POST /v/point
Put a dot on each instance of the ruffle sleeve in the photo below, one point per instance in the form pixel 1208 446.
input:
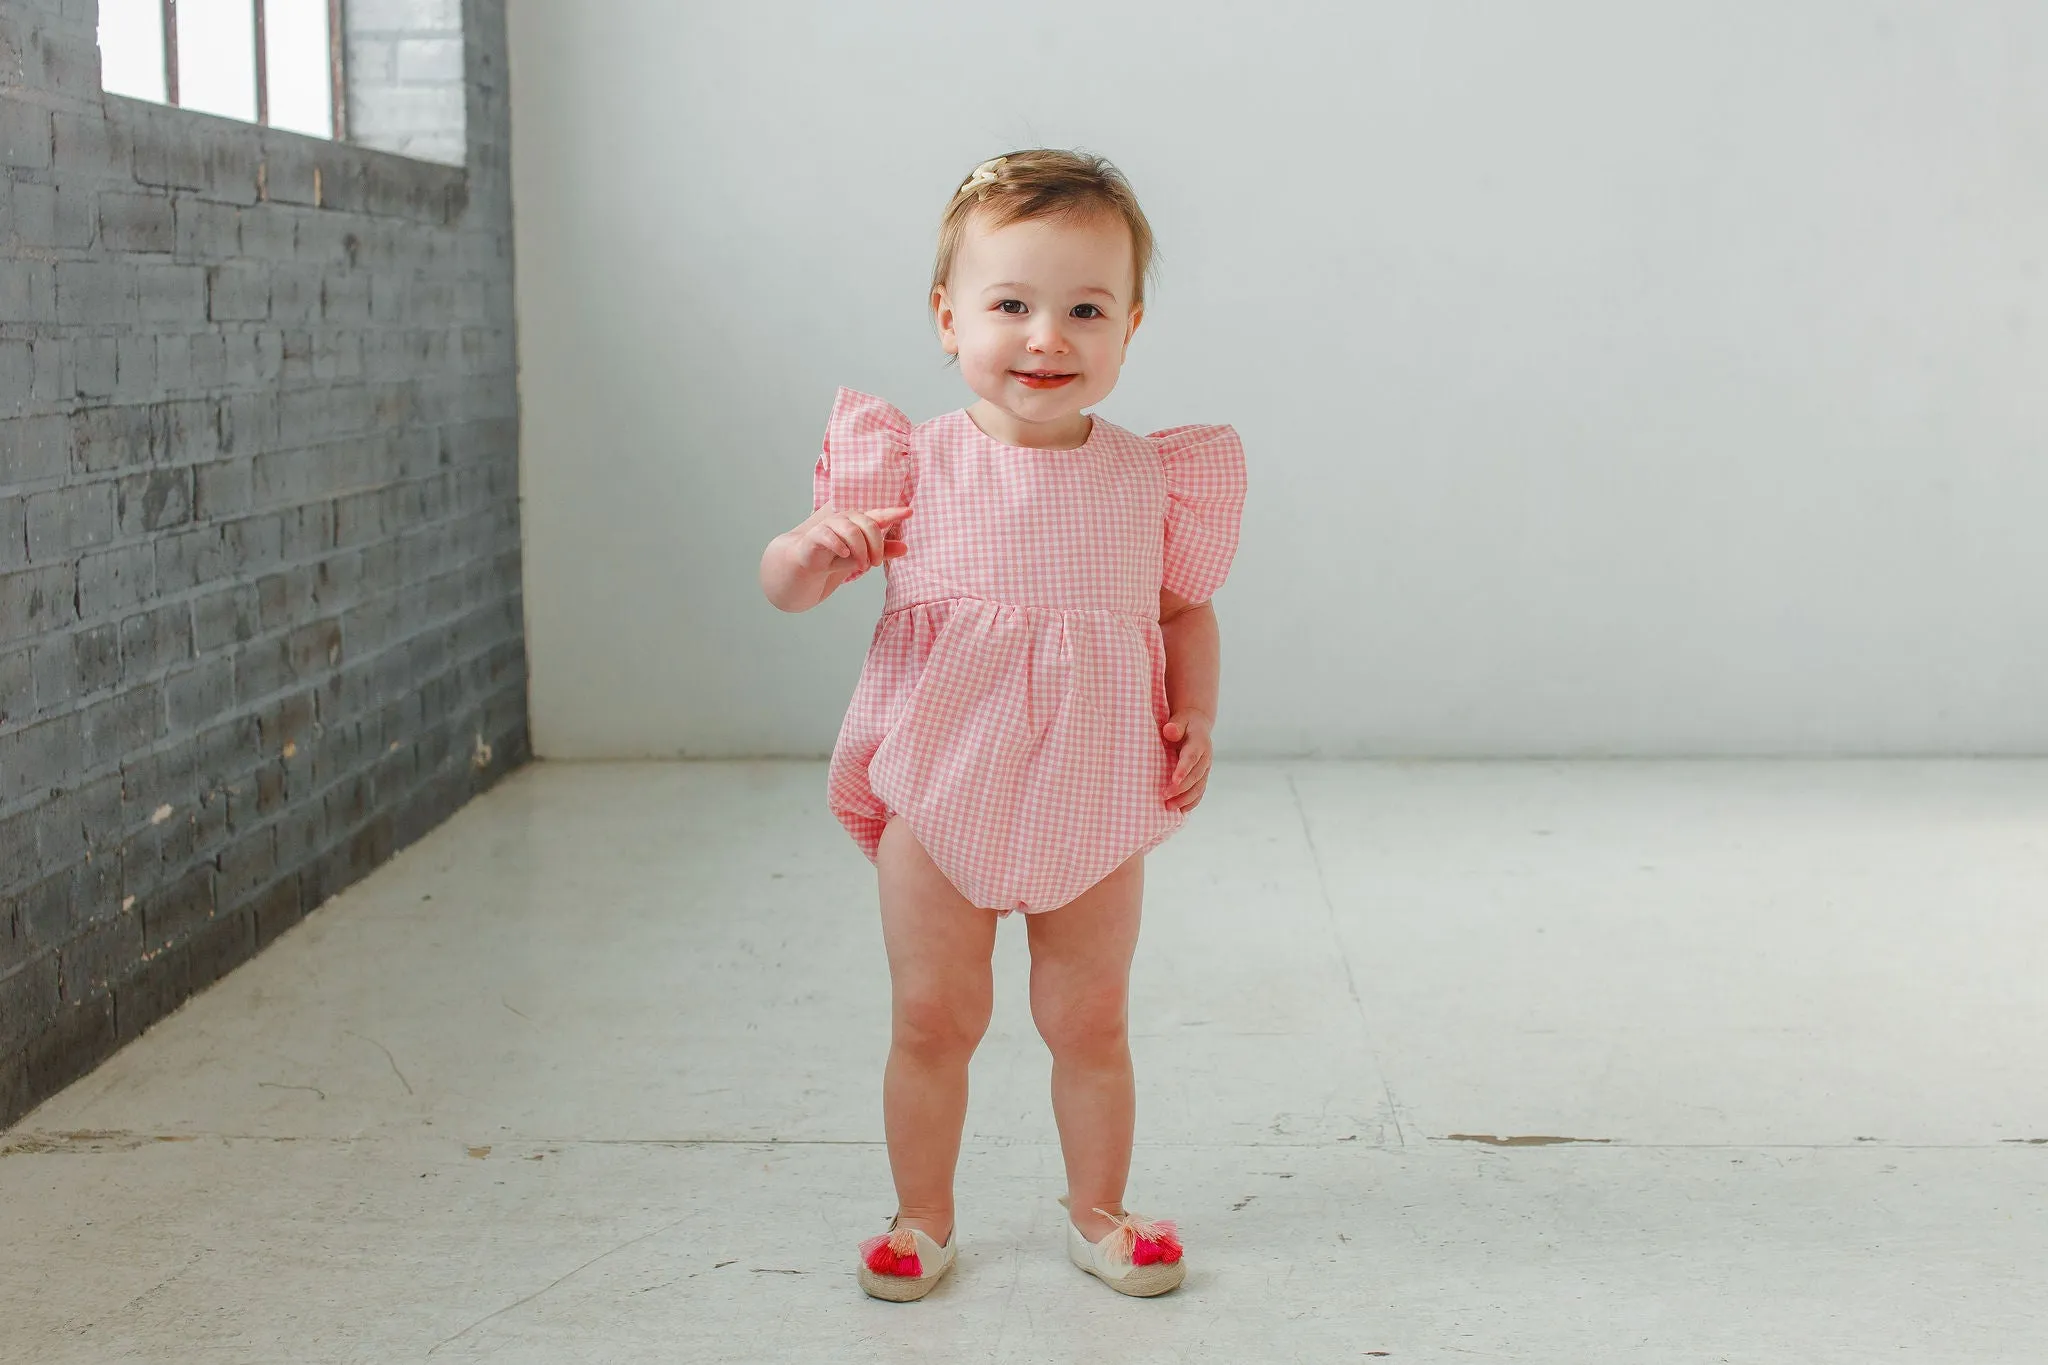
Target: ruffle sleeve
pixel 1205 489
pixel 865 463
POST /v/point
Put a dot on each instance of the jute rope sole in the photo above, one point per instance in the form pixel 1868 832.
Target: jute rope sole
pixel 898 1288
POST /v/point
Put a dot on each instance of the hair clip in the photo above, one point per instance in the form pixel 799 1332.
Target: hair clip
pixel 984 174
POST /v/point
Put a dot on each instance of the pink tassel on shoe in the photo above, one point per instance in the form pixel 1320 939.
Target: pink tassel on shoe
pixel 1140 1240
pixel 1160 1243
pixel 893 1253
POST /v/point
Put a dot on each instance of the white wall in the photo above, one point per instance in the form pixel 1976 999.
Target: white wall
pixel 1616 377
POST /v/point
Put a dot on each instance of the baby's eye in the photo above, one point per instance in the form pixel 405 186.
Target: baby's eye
pixel 1013 312
pixel 1093 312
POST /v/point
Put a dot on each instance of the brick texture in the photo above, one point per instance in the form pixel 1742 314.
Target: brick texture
pixel 260 618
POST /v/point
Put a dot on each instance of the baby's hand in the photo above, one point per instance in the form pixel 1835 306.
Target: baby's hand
pixel 852 540
pixel 1190 730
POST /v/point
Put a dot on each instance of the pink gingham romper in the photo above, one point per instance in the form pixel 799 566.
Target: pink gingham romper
pixel 1012 699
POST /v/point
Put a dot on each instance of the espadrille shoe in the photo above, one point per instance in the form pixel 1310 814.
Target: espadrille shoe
pixel 1139 1256
pixel 903 1263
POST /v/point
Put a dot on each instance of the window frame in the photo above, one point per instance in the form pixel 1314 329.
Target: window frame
pixel 337 64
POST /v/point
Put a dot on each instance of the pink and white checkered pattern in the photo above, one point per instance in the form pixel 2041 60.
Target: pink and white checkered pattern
pixel 1013 694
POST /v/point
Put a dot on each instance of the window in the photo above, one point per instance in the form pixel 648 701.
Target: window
pixel 275 62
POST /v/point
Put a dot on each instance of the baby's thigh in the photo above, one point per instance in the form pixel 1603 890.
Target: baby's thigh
pixel 939 943
pixel 1086 945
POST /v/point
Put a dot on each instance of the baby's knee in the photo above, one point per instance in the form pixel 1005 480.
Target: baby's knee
pixel 1089 1026
pixel 939 1025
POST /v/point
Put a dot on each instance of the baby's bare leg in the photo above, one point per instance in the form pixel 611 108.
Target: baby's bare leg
pixel 942 988
pixel 1080 991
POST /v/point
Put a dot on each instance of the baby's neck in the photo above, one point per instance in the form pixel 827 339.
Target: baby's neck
pixel 998 425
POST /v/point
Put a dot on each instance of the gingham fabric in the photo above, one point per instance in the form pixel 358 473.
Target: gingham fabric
pixel 1010 705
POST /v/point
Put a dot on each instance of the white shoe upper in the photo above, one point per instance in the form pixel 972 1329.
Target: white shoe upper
pixel 1088 1255
pixel 931 1257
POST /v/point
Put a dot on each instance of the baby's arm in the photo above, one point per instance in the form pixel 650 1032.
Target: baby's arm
pixel 1194 666
pixel 804 565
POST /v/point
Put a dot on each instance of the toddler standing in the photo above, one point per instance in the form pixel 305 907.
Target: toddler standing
pixel 1035 710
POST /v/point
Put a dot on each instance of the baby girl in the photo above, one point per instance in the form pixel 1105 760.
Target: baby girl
pixel 1035 710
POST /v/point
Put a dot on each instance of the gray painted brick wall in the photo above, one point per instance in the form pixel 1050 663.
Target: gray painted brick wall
pixel 260 617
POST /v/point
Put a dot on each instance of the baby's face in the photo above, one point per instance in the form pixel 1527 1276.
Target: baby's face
pixel 1040 314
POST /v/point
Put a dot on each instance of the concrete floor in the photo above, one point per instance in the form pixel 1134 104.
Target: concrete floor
pixel 593 1075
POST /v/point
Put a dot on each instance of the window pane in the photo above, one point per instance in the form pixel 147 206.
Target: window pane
pixel 217 57
pixel 301 83
pixel 132 48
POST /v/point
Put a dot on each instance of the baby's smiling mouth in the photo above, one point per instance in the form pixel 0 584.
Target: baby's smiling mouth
pixel 1042 378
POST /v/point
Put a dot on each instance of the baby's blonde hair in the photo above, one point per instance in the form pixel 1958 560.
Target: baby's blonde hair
pixel 1045 182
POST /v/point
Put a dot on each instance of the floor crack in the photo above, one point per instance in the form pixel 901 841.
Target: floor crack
pixel 552 1283
pixel 1344 958
pixel 387 1057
